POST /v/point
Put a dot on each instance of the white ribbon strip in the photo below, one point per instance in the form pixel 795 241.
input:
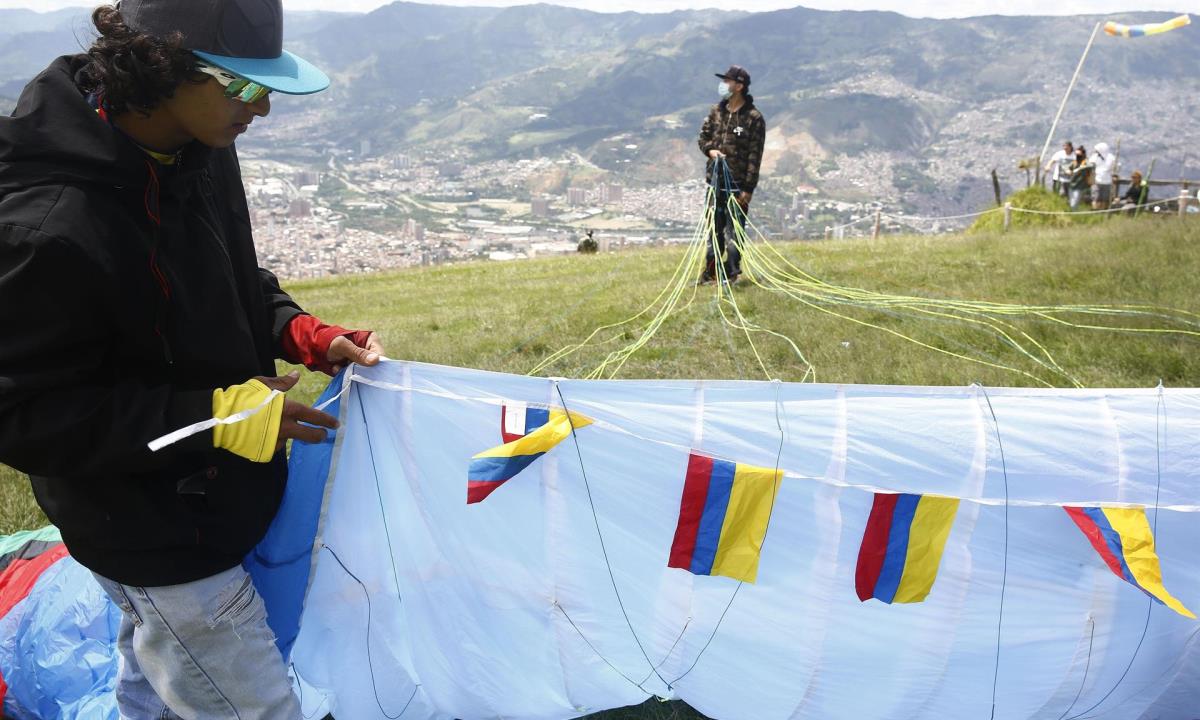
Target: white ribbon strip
pixel 186 432
pixel 831 481
pixel 190 430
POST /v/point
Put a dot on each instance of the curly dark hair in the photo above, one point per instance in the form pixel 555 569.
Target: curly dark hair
pixel 134 70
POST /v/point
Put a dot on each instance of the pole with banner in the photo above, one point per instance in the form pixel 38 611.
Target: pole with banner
pixel 1062 106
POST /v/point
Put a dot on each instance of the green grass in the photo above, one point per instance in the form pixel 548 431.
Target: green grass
pixel 508 316
pixel 1039 199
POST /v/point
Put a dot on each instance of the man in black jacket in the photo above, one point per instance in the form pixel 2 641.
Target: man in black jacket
pixel 131 305
pixel 732 138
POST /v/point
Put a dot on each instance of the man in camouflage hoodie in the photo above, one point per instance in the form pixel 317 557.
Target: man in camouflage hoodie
pixel 732 139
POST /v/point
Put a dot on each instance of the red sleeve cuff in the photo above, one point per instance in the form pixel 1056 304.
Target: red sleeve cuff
pixel 306 342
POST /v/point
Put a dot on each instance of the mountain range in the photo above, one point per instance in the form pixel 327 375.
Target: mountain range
pixel 859 105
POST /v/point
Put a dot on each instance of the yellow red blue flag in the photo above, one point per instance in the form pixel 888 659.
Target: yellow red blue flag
pixel 902 546
pixel 492 468
pixel 723 518
pixel 1125 541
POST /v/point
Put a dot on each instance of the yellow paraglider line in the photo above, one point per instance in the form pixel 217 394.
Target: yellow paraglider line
pixel 768 269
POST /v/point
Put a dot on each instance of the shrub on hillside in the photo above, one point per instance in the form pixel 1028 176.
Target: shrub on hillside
pixel 1039 199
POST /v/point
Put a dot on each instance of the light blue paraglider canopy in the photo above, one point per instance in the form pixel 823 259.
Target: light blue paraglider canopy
pixel 554 596
pixel 1067 527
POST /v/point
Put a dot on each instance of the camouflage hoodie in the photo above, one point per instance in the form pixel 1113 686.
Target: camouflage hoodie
pixel 740 135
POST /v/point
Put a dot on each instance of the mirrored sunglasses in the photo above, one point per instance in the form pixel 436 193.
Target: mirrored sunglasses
pixel 236 87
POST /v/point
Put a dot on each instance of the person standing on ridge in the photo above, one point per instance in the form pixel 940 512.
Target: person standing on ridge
pixel 1060 164
pixel 1105 168
pixel 732 139
pixel 1080 179
pixel 132 305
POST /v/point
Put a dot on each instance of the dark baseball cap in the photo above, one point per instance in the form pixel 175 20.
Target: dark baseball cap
pixel 736 73
pixel 244 37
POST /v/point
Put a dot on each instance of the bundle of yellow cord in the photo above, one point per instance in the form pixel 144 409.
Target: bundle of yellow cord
pixel 769 270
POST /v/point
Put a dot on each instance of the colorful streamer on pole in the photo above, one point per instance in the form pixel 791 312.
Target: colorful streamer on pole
pixel 1132 31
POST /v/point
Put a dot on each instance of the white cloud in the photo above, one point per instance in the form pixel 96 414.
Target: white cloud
pixel 918 8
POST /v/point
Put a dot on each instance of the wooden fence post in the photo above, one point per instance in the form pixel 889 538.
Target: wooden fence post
pixel 996 187
pixel 1007 216
pixel 1183 202
pixel 878 217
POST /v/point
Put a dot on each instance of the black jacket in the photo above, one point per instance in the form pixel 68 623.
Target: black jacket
pixel 741 136
pixel 114 330
pixel 1134 193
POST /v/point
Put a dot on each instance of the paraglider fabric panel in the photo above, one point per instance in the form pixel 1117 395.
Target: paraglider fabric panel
pixel 565 591
pixel 961 548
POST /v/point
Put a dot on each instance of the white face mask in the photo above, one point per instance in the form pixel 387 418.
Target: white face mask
pixel 724 90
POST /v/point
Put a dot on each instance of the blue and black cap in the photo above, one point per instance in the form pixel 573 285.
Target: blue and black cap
pixel 244 37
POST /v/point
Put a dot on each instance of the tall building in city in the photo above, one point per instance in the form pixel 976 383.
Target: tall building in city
pixel 307 177
pixel 415 230
pixel 610 194
pixel 540 207
pixel 300 208
pixel 576 196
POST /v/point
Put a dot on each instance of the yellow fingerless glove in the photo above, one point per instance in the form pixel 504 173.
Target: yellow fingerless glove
pixel 253 438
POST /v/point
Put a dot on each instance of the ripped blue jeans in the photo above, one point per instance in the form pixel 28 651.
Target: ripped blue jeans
pixel 199 650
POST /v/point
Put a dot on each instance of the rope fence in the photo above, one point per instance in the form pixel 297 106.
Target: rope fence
pixel 837 231
pixel 919 218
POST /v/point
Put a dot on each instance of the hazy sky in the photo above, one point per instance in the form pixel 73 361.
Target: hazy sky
pixel 921 8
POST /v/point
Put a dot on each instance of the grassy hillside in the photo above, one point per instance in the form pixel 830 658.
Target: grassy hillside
pixel 1040 200
pixel 507 317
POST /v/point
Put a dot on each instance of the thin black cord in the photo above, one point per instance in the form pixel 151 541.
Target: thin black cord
pixel 1160 420
pixel 1004 571
pixel 378 492
pixel 1175 663
pixel 596 518
pixel 711 635
pixel 300 689
pixel 672 650
pixel 766 530
pixel 370 662
pixel 1124 674
pixel 1086 667
pixel 598 653
pixel 635 683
